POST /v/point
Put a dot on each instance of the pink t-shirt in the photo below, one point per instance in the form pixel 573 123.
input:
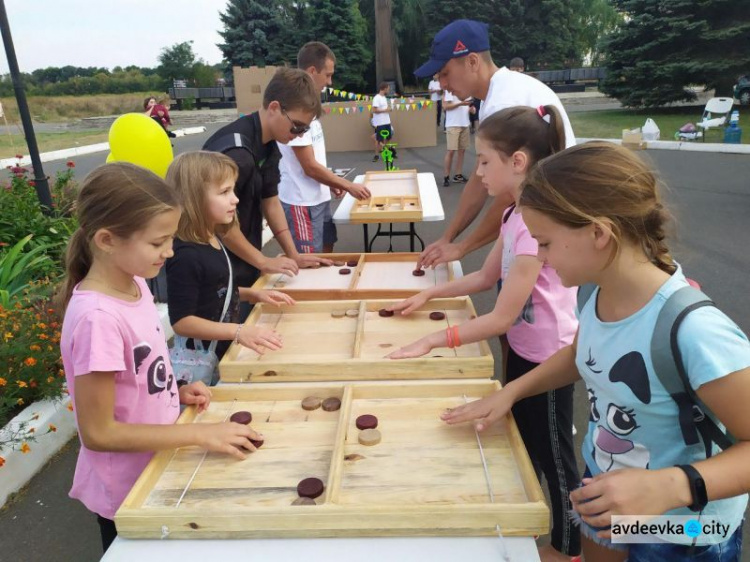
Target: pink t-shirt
pixel 547 322
pixel 103 333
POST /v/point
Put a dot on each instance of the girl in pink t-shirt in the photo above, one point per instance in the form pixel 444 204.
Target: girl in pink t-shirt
pixel 114 352
pixel 533 308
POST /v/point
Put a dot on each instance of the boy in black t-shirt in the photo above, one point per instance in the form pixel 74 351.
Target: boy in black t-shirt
pixel 290 103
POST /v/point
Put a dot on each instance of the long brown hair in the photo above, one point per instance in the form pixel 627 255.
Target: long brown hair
pixel 599 180
pixel 527 129
pixel 191 174
pixel 121 197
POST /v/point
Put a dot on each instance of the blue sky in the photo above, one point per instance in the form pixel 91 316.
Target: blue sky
pixel 109 32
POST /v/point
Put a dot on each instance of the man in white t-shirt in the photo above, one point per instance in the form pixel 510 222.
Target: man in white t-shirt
pixel 306 183
pixel 461 56
pixel 456 135
pixel 436 95
pixel 381 118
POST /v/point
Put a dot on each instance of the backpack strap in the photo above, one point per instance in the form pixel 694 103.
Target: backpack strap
pixel 584 294
pixel 229 142
pixel 668 365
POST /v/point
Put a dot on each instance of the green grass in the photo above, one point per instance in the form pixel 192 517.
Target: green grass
pixel 609 124
pixel 10 145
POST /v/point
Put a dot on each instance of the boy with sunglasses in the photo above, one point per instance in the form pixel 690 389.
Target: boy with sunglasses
pixel 290 103
pixel 306 182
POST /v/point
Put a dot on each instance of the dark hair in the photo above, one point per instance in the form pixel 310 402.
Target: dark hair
pixel 294 90
pixel 516 62
pixel 383 86
pixel 314 54
pixel 148 99
pixel 525 128
pixel 597 181
pixel 121 197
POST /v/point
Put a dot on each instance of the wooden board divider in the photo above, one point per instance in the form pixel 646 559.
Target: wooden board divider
pixel 337 459
pixel 360 330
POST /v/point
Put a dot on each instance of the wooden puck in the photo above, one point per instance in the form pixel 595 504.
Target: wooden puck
pixel 344 271
pixel 367 421
pixel 369 437
pixel 352 263
pixel 352 313
pixel 437 315
pixel 331 404
pixel 311 403
pixel 418 273
pixel 385 313
pixel 257 443
pixel 243 418
pixel 304 501
pixel 310 488
pixel 322 264
pixel 338 313
pixel 339 263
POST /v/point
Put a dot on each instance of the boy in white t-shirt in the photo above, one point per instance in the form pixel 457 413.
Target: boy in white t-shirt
pixel 381 118
pixel 436 95
pixel 457 135
pixel 306 183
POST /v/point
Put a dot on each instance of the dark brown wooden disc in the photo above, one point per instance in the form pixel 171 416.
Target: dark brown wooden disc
pixel 352 263
pixel 385 313
pixel 310 488
pixel 241 417
pixel 367 421
pixel 331 404
pixel 437 315
pixel 344 271
pixel 418 273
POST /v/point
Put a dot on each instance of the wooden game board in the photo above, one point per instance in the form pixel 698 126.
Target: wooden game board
pixel 319 347
pixel 376 276
pixel 395 198
pixel 424 478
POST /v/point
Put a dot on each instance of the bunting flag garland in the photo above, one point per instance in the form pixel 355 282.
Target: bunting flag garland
pixel 396 104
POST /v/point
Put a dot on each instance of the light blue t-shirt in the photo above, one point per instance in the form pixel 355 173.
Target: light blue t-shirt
pixel 633 421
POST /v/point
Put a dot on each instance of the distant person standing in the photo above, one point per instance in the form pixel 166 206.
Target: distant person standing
pixel 436 95
pixel 517 64
pixel 457 135
pixel 474 114
pixel 381 118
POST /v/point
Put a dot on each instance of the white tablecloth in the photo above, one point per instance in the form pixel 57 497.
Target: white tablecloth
pixel 432 206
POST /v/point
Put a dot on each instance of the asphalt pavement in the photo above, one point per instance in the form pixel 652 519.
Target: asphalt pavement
pixel 710 198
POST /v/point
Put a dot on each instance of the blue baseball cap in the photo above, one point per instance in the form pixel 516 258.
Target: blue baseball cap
pixel 457 39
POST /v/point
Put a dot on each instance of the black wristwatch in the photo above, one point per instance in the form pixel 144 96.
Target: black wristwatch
pixel 697 487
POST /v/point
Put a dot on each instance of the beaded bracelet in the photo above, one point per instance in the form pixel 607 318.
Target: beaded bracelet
pixel 237 334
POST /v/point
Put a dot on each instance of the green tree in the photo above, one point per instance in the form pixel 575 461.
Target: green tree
pixel 340 25
pixel 253 33
pixel 176 62
pixel 663 46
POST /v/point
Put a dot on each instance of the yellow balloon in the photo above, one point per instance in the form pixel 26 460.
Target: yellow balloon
pixel 140 140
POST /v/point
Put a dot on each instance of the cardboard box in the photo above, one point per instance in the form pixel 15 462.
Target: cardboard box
pixel 633 139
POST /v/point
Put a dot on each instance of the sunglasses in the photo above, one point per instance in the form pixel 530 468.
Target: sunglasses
pixel 297 128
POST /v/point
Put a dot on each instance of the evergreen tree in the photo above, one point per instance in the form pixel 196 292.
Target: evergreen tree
pixel 666 45
pixel 253 33
pixel 340 25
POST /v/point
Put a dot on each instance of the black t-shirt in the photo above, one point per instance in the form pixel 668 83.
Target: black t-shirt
pixel 258 179
pixel 197 280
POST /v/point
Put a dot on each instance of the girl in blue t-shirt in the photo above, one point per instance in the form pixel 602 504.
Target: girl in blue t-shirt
pixel 596 212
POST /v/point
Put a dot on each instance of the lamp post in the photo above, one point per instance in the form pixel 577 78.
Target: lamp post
pixel 42 186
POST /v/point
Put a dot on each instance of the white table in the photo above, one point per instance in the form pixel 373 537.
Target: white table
pixel 434 549
pixel 432 210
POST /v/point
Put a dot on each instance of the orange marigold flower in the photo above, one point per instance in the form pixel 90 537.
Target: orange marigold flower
pixel 3 382
pixel 43 337
pixel 19 402
pixel 25 448
pixel 35 347
pixel 8 336
pixel 29 361
pixel 42 325
pixel 2 461
pixel 70 406
pixel 33 384
pixel 50 379
pixel 21 384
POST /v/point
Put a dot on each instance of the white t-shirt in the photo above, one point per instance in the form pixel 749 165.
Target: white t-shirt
pixel 458 116
pixel 432 86
pixel 509 89
pixel 295 187
pixel 380 102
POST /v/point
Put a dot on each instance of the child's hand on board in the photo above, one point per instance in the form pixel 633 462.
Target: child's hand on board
pixel 281 264
pixel 482 412
pixel 407 306
pixel 227 437
pixel 417 349
pixel 274 297
pixel 259 339
pixel 195 394
pixel 629 491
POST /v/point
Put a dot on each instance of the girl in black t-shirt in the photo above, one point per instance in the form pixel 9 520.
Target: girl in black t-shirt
pixel 198 275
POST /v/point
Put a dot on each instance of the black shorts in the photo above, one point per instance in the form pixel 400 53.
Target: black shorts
pixel 382 137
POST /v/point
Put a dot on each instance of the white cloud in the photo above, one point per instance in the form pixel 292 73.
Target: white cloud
pixel 109 32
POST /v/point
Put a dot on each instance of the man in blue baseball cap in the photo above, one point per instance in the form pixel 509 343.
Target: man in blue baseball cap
pixel 461 57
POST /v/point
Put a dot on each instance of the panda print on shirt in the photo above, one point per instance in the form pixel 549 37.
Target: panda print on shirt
pixel 615 437
pixel 160 380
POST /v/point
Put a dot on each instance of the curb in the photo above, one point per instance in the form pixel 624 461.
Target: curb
pixel 715 147
pixel 82 150
pixel 21 467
